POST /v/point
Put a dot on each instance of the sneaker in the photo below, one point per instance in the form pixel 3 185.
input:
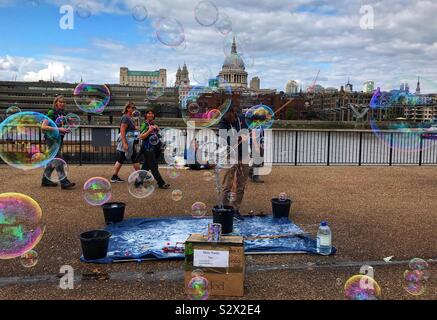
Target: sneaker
pixel 48 183
pixel 116 179
pixel 164 186
pixel 237 215
pixel 68 185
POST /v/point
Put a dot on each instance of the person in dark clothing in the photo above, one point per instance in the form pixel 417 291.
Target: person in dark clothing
pixel 239 171
pixel 126 142
pixel 54 113
pixel 150 148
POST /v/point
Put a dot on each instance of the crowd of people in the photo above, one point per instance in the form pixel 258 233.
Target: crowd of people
pixel 141 143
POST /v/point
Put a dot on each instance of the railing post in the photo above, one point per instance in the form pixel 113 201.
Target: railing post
pixel 360 148
pixel 329 148
pixel 420 151
pixel 391 149
pixel 295 148
pixel 80 145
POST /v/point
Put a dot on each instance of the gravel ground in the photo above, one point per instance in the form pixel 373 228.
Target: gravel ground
pixel 374 212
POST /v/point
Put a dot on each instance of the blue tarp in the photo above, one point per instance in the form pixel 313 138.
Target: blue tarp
pixel 163 238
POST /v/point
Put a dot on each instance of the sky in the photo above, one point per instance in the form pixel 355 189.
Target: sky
pixel 278 40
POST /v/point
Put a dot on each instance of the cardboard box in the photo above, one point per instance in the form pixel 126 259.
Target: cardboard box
pixel 223 264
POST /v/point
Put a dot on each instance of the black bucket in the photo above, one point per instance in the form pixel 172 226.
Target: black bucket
pixel 225 216
pixel 113 212
pixel 281 208
pixel 95 244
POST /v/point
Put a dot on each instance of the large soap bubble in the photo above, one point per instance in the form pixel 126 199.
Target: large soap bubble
pixel 212 101
pixel 91 98
pixel 21 226
pixel 23 142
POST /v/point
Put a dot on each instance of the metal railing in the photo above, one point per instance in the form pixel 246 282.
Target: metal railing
pixel 289 147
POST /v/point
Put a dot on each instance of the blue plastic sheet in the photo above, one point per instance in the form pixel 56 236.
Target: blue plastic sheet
pixel 163 238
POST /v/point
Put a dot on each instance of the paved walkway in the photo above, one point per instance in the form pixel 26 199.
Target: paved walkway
pixel 374 212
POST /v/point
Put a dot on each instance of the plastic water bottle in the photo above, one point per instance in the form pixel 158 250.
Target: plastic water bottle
pixel 324 239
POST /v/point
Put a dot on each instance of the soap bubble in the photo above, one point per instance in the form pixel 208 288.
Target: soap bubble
pixel 198 210
pixel 197 288
pixel 154 140
pixel 91 98
pixel 361 287
pixel 418 264
pixel 70 121
pixel 214 110
pixel 415 288
pixel 260 117
pixel 21 226
pixel 223 24
pixel 193 108
pixel 97 191
pixel 231 196
pixel 173 172
pixel 208 176
pixel 29 259
pixel 140 13
pixel 176 195
pixel 83 10
pixel 206 13
pixel 154 92
pixel 61 168
pixel 282 196
pixel 12 110
pixel 170 32
pixel 21 140
pixel 141 184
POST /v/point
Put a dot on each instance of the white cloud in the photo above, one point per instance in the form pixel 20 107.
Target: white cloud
pixel 53 70
pixel 287 40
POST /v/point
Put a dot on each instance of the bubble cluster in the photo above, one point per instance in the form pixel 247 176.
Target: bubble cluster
pixel 400 132
pixel 198 210
pixel 97 191
pixel 29 259
pixel 22 140
pixel 361 287
pixel 170 32
pixel 176 195
pixel 61 168
pixel 260 117
pixel 92 98
pixel 212 110
pixel 141 184
pixel 416 277
pixel 140 13
pixel 206 13
pixel 12 110
pixel 70 121
pixel 197 288
pixel 21 225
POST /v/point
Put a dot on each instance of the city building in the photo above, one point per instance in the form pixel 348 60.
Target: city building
pixel 292 87
pixel 182 76
pixel 368 86
pixel 404 87
pixel 39 96
pixel 233 70
pixel 418 86
pixel 349 87
pixel 134 78
pixel 255 83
